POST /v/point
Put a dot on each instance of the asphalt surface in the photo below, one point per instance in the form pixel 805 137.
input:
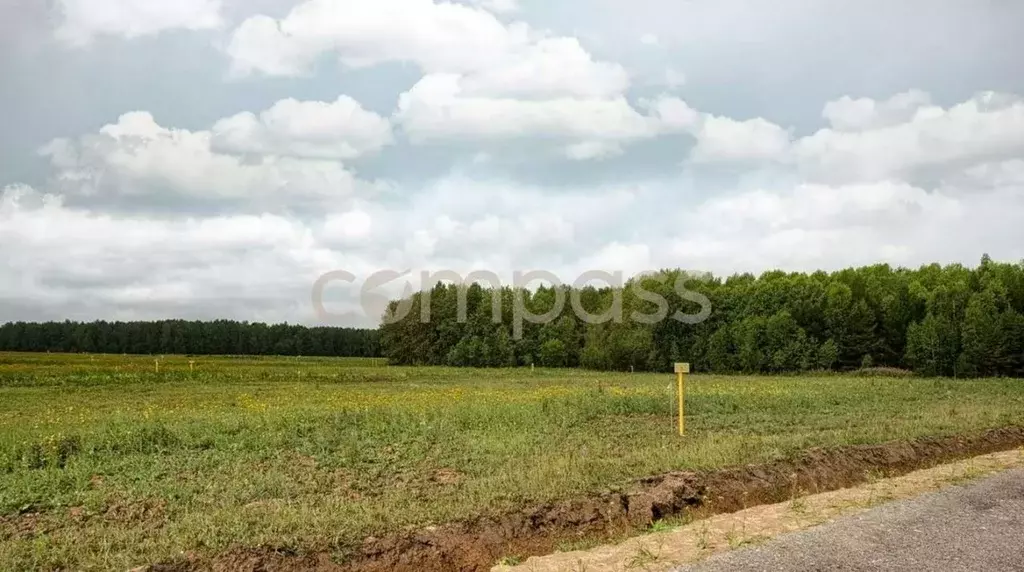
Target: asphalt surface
pixel 978 527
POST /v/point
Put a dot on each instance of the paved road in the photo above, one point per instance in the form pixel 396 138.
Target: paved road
pixel 977 528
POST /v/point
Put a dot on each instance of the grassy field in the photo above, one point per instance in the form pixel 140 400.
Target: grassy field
pixel 106 463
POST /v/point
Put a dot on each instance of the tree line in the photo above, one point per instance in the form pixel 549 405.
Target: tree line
pixel 221 337
pixel 936 320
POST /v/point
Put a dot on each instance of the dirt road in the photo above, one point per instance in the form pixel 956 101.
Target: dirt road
pixel 979 526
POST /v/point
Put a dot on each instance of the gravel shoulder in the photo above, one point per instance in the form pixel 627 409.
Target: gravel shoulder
pixel 964 528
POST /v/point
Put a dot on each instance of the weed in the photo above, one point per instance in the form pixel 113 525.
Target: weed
pixel 661 526
pixel 702 536
pixel 798 505
pixel 510 561
pixel 642 558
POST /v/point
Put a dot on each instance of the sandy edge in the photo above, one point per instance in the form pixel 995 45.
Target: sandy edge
pixel 664 550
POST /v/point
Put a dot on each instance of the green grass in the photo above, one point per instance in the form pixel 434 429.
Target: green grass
pixel 107 464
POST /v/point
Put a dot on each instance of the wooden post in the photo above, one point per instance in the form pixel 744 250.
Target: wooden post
pixel 157 362
pixel 681 370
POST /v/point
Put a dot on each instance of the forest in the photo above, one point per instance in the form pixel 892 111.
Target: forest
pixel 221 337
pixel 935 320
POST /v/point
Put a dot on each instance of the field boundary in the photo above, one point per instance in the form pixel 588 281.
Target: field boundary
pixel 671 546
pixel 478 544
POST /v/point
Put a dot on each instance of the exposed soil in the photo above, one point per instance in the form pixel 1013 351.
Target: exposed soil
pixel 672 547
pixel 448 477
pixel 476 545
pixel 150 515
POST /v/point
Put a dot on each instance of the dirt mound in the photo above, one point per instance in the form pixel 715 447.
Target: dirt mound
pixel 477 544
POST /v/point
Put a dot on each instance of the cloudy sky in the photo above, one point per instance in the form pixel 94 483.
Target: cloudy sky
pixel 213 158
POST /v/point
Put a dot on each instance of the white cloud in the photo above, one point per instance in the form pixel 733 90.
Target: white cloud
pixel 435 36
pixel 588 150
pixel 721 139
pixel 674 79
pixel 820 207
pixel 341 129
pixel 812 227
pixel 237 219
pixel 498 6
pixel 551 67
pixel 628 258
pixel 80 264
pixel 469 225
pixel 848 114
pixel 348 228
pixel 484 79
pixel 439 37
pixel 86 19
pixel 70 262
pixel 997 174
pixel 986 127
pixel 438 108
pixel 899 138
pixel 76 262
pixel 138 157
pixel 726 139
pixel 673 114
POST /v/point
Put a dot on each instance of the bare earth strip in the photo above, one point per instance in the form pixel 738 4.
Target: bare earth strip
pixel 662 551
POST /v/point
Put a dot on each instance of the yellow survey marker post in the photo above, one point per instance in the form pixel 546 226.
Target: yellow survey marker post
pixel 681 370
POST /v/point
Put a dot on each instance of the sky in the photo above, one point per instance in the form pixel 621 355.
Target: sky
pixel 208 159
